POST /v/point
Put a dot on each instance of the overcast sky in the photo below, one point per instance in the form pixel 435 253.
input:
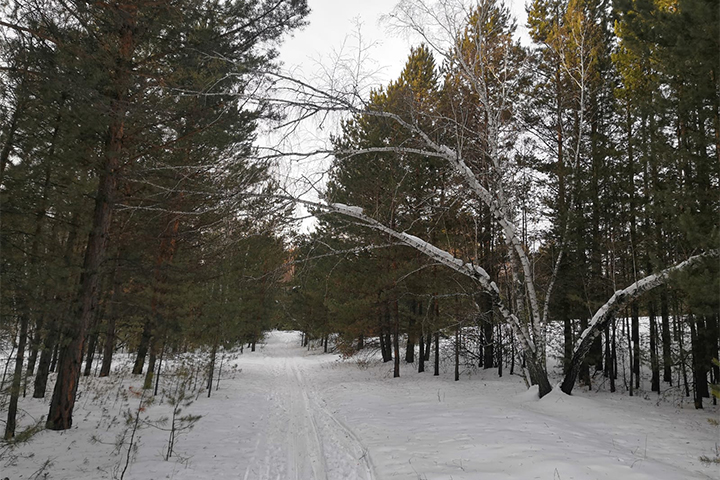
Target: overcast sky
pixel 332 23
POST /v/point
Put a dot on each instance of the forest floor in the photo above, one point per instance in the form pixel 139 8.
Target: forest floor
pixel 284 412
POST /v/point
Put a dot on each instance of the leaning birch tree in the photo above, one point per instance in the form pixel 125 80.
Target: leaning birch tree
pixel 476 135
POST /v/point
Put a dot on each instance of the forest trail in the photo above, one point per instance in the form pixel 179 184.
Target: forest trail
pixel 302 439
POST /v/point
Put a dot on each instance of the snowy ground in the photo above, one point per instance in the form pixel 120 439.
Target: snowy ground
pixel 286 413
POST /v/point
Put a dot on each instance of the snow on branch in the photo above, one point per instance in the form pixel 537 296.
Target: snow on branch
pixel 630 293
pixel 619 300
pixel 440 256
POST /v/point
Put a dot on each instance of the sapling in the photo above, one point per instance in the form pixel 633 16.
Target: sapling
pixel 133 423
pixel 177 424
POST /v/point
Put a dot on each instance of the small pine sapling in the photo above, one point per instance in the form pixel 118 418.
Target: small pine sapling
pixel 133 423
pixel 177 424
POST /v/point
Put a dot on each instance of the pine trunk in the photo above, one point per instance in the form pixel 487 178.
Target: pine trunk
pixel 90 353
pixel 396 340
pixel 488 345
pixel 568 343
pixel 654 364
pixel 70 358
pixel 666 338
pixel 631 351
pixel 457 352
pixel 211 368
pixel 697 370
pixel 410 346
pixel 16 380
pixel 636 343
pixel 436 371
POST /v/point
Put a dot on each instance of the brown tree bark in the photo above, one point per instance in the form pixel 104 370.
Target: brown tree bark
pixel 17 379
pixel 70 358
pixel 109 344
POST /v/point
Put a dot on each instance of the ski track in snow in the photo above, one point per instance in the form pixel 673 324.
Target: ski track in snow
pixel 302 440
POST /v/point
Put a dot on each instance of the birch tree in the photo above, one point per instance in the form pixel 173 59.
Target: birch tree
pixel 477 50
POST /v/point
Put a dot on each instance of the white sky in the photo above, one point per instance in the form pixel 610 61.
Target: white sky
pixel 333 22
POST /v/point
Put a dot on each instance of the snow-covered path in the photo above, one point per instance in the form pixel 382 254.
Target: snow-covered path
pixel 330 420
pixel 302 439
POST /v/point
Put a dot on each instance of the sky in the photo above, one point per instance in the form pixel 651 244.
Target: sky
pixel 333 23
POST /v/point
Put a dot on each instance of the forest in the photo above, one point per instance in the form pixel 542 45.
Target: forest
pixel 547 209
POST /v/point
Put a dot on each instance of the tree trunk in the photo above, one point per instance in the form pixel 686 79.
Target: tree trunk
pixel 457 352
pixel 148 382
pixel 697 369
pixel 384 347
pixel 211 368
pixel 421 354
pixel 654 364
pixel 437 354
pixel 666 339
pixel 613 358
pixel 680 327
pixel 500 354
pixel 17 379
pixel 713 332
pixel 90 353
pixel 410 346
pixel 488 344
pixel 46 354
pixel 159 369
pixel 109 345
pixel 636 343
pixel 568 342
pixel 631 352
pixel 704 360
pixel 64 395
pixel 35 346
pixel 56 352
pixel 428 347
pixel 143 348
pixel 396 340
pixel 596 354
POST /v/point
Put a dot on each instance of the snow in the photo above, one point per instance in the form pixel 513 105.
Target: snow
pixel 348 209
pixel 289 413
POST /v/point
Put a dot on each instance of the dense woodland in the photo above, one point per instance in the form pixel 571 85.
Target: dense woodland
pixel 494 200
